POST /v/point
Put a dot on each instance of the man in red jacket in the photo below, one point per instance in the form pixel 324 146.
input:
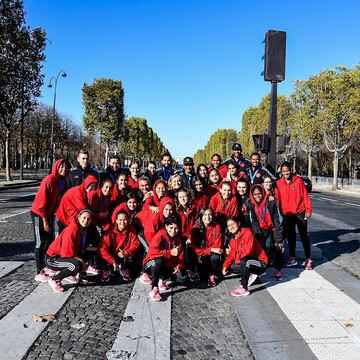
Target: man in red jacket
pixel 295 205
pixel 46 202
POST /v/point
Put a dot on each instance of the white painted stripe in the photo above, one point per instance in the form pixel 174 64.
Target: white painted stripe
pixel 352 204
pixel 326 318
pixel 331 222
pixel 8 266
pixel 7 216
pixel 148 335
pixel 18 330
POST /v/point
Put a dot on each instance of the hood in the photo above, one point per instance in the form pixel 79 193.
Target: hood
pixel 156 199
pixel 121 207
pixel 55 167
pixel 165 200
pixel 263 202
pixel 88 180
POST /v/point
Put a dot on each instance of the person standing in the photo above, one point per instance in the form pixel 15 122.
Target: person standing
pixel 188 172
pixel 82 169
pixel 255 172
pixel 236 155
pixel 296 208
pixel 166 170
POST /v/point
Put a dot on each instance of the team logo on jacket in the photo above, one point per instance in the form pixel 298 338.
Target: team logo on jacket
pixel 242 164
pixel 293 188
pixel 258 175
pixel 212 236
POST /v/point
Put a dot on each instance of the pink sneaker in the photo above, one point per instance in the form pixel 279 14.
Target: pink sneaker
pixel 212 281
pixel 72 279
pixel 125 274
pixel 145 278
pixel 154 294
pixel 277 275
pixel 240 291
pixel 162 285
pixel 90 270
pixel 105 276
pixel 56 285
pixel 308 264
pixel 41 277
pixel 50 272
pixel 252 279
pixel 291 261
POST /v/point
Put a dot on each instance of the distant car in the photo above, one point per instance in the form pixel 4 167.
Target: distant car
pixel 307 182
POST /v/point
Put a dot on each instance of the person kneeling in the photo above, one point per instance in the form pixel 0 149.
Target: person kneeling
pixel 63 254
pixel 164 259
pixel 246 257
pixel 118 246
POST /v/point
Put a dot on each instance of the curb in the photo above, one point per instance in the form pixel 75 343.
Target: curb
pixel 19 186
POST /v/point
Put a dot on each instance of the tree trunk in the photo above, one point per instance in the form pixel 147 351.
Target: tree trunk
pixel 22 144
pixel 309 165
pixel 7 155
pixel 335 185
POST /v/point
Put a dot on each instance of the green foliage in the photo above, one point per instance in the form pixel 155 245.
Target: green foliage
pixel 104 109
pixel 220 142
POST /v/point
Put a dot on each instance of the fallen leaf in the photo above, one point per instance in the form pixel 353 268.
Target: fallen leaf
pixel 311 325
pixel 49 317
pixel 38 318
pixel 25 326
pixel 348 325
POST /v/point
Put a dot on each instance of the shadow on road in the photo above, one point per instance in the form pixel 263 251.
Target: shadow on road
pixel 12 249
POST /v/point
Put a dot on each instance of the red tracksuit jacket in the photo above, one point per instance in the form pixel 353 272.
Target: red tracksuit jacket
pixel 50 192
pixel 210 238
pixel 244 245
pixel 153 199
pixel 187 221
pixel 293 197
pixel 224 208
pixel 99 205
pixel 74 200
pixel 68 243
pixel 160 248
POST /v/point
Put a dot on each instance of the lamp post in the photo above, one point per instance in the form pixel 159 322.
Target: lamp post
pixel 50 85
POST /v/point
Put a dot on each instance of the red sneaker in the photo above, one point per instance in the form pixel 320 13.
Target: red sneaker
pixel 72 279
pixel 154 294
pixel 277 275
pixel 163 286
pixel 41 277
pixel 308 264
pixel 145 278
pixel 105 276
pixel 240 291
pixel 56 285
pixel 291 261
pixel 125 274
pixel 212 281
pixel 252 279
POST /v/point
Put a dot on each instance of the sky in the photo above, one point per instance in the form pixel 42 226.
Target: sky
pixel 189 67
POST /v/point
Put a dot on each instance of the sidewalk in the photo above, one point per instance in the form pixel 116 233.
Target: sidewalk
pixel 17 184
pixel 343 191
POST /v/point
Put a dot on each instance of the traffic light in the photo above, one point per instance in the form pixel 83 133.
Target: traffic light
pixel 261 142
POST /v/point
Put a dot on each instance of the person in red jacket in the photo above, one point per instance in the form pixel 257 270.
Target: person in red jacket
pixel 244 203
pixel 152 202
pixel 75 200
pixel 120 191
pixel 63 255
pixel 133 180
pixel 201 196
pixel 206 243
pixel 186 212
pixel 164 259
pixel 45 204
pixel 217 164
pixel 214 182
pixel 266 223
pixel 118 246
pixel 296 208
pixel 153 222
pixel 246 257
pixel 224 203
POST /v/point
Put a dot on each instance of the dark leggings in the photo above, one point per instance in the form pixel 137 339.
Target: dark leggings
pixel 43 240
pixel 246 267
pixel 290 222
pixel 66 266
pixel 273 250
pixel 156 269
pixel 210 264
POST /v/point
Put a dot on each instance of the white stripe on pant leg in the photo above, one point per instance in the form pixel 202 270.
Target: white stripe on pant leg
pixel 37 231
pixel 15 338
pixel 59 264
pixel 148 336
pixel 149 264
pixel 253 262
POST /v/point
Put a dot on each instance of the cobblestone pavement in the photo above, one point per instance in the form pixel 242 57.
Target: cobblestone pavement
pixel 205 326
pixel 86 326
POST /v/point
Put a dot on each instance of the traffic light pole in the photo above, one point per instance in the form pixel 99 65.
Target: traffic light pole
pixel 271 158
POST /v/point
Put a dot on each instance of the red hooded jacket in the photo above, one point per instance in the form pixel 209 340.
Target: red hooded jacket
pixel 153 199
pixel 74 200
pixel 262 211
pixel 68 243
pixel 152 222
pixel 50 192
pixel 222 169
pixel 223 208
pixel 201 200
pixel 293 196
pixel 244 245
pixel 187 221
pixel 99 204
pixel 202 242
pixel 160 248
pixel 114 240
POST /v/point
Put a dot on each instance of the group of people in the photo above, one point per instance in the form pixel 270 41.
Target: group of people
pixel 168 226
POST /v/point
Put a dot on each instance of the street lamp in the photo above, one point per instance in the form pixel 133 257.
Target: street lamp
pixel 52 81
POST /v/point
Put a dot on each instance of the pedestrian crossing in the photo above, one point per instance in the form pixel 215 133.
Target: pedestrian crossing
pixel 324 316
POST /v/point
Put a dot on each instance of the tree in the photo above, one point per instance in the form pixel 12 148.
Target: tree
pixel 21 58
pixel 104 110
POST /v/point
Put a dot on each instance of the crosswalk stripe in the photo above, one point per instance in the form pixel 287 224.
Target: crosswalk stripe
pixel 8 266
pixel 18 330
pixel 326 318
pixel 145 330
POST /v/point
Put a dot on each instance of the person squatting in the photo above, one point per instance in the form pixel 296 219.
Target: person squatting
pixel 166 226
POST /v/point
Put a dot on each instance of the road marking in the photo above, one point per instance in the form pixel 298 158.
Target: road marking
pixel 147 334
pixel 352 204
pixel 333 223
pixel 7 216
pixel 326 318
pixel 8 266
pixel 18 330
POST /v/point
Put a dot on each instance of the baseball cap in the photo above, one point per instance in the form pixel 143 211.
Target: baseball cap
pixel 188 160
pixel 236 146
